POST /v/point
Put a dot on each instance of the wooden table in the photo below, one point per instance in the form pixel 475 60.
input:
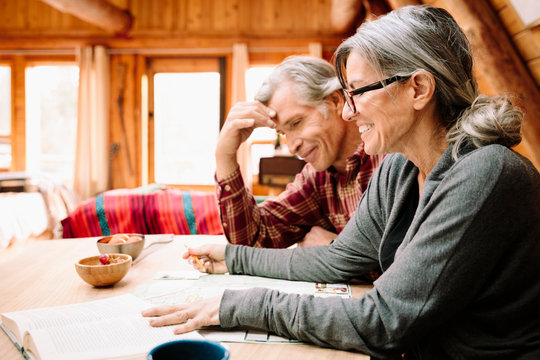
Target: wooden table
pixel 42 273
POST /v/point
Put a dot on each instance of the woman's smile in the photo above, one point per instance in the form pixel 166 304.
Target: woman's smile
pixel 364 128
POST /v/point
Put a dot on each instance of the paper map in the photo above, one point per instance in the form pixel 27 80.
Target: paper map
pixel 182 287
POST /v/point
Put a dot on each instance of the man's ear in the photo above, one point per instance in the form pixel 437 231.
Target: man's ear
pixel 423 86
pixel 336 100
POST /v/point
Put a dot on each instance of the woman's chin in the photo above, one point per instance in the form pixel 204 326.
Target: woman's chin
pixel 370 149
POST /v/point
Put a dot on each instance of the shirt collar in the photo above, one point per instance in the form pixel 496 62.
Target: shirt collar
pixel 352 163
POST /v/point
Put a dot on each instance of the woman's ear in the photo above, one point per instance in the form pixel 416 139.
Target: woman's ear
pixel 423 85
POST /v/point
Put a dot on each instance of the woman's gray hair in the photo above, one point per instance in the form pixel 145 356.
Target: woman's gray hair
pixel 426 38
pixel 314 79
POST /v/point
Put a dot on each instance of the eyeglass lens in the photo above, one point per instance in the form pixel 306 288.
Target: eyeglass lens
pixel 349 94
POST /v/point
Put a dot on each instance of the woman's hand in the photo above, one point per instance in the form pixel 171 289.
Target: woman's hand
pixel 211 256
pixel 190 316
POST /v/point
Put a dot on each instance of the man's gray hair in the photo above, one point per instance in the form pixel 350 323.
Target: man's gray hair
pixel 313 78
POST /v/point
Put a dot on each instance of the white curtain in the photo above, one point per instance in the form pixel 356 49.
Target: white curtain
pixel 240 64
pixel 315 49
pixel 91 158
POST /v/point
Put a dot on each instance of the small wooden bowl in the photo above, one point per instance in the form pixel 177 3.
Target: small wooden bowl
pixel 131 248
pixel 94 273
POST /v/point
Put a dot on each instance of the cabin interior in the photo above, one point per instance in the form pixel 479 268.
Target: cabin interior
pixel 124 97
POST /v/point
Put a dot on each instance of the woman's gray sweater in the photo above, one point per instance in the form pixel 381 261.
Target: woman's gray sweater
pixel 464 284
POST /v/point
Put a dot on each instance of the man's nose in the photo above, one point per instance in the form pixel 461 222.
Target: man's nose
pixel 293 142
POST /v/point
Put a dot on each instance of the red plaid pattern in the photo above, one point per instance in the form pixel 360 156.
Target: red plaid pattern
pixel 323 198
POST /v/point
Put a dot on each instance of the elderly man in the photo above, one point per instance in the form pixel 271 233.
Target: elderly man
pixel 301 99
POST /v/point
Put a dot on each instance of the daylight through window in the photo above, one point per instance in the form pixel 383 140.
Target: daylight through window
pixel 51 120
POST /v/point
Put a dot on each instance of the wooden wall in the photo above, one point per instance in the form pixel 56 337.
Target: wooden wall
pixel 272 29
pixel 181 20
pixel 501 66
pixel 526 39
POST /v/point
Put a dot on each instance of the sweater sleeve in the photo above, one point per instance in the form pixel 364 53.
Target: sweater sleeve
pixel 471 237
pixel 329 322
pixel 458 237
pixel 352 254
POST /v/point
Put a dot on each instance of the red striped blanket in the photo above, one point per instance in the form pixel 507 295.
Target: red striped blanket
pixel 167 211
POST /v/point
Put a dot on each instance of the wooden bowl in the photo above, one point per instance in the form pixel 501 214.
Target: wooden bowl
pixel 133 248
pixel 93 272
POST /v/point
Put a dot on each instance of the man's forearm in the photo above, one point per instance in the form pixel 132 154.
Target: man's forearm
pixel 225 166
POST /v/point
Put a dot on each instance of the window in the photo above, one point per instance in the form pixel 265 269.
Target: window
pixel 51 120
pixel 5 117
pixel 186 103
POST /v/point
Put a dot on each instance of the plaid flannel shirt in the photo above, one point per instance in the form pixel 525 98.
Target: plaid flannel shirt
pixel 315 198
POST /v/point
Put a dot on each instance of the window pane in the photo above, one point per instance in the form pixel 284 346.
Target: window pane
pixel 5 116
pixel 186 126
pixel 5 154
pixel 5 100
pixel 259 151
pixel 51 120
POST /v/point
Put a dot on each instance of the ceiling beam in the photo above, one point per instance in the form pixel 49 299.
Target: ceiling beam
pixel 375 8
pixel 395 4
pixel 97 12
pixel 343 14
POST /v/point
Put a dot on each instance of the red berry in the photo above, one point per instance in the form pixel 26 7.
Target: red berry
pixel 104 259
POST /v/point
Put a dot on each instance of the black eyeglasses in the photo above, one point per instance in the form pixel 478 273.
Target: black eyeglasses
pixel 348 94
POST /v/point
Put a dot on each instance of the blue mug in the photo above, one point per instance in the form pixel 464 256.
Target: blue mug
pixel 189 350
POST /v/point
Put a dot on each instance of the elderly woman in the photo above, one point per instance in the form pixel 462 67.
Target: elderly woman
pixel 452 217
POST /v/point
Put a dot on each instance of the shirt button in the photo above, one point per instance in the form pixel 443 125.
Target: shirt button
pixel 227 188
pixel 225 225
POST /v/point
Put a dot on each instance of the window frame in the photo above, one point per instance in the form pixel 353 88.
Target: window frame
pixel 18 64
pixel 178 64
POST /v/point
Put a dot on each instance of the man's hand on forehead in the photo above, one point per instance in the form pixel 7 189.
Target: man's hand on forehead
pixel 268 119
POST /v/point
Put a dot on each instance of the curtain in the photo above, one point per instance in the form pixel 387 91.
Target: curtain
pixel 315 49
pixel 91 156
pixel 240 64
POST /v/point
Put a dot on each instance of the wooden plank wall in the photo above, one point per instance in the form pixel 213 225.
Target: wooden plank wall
pixel 177 18
pixel 501 66
pixel 527 42
pixel 526 39
pixel 272 29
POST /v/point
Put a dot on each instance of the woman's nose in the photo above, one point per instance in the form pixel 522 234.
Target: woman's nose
pixel 346 113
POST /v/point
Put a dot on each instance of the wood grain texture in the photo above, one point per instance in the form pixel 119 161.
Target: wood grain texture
pixel 98 12
pixel 43 274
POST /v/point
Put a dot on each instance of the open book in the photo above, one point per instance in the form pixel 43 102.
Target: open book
pixel 111 328
pixel 180 287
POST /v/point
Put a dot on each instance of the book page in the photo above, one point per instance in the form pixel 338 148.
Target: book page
pixel 11 335
pixel 126 338
pixel 72 314
pixel 96 329
pixel 12 330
